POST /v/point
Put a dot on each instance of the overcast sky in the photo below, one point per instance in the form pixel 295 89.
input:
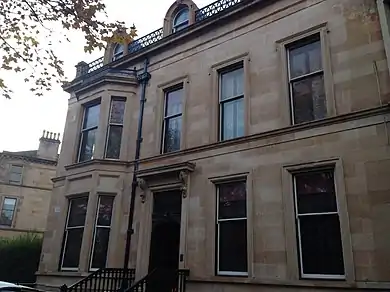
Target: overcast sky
pixel 25 116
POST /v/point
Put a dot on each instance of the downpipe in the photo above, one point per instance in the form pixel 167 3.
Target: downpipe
pixel 143 79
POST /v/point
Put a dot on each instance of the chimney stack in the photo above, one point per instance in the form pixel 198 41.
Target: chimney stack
pixel 48 145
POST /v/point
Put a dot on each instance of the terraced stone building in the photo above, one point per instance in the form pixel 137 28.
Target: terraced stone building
pixel 26 187
pixel 244 146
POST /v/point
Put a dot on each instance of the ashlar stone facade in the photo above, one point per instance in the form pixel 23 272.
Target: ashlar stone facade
pixel 267 119
pixel 26 187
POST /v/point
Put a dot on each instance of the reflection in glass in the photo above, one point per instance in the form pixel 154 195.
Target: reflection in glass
pixel 74 230
pixel 87 145
pixel 172 120
pixel 309 99
pixel 172 134
pixel 102 232
pixel 91 118
pixel 115 128
pixel 117 111
pixel 318 230
pixel 232 228
pixel 306 74
pixel 114 142
pixel 7 211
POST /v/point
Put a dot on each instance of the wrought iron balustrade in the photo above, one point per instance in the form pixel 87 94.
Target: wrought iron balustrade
pixel 103 280
pixel 215 8
pixel 157 35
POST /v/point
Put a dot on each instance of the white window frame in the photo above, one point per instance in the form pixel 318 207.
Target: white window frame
pixel 297 224
pixel 166 117
pixel 13 211
pixel 184 23
pixel 66 235
pixel 96 226
pixel 320 72
pixel 230 273
pixel 232 68
pixel 21 174
pixel 87 130
pixel 114 98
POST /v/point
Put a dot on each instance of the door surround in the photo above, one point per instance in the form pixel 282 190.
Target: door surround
pixel 174 177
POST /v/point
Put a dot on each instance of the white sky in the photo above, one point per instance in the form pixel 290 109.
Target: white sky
pixel 25 116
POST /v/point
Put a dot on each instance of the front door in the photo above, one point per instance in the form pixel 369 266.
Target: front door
pixel 165 239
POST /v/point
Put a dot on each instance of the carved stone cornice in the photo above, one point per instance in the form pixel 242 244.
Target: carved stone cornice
pixel 171 176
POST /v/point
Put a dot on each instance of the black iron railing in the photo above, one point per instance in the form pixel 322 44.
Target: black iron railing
pixel 157 35
pixel 215 8
pixel 162 280
pixel 103 280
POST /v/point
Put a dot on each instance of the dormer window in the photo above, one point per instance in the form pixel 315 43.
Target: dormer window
pixel 118 52
pixel 181 19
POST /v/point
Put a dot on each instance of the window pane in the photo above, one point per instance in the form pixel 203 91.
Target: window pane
pixel 9 204
pixel 316 192
pixel 16 169
pixel 87 145
pixel 78 211
pixel 233 246
pixel 72 248
pixel 309 100
pixel 232 200
pixel 117 111
pixel 100 248
pixel 91 118
pixel 105 210
pixel 173 102
pixel 305 59
pixel 181 17
pixel 232 83
pixel 15 178
pixel 321 245
pixel 233 119
pixel 15 174
pixel 7 212
pixel 114 142
pixel 172 134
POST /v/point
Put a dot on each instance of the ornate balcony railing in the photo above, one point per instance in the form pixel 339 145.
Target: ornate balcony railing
pixel 214 8
pixel 157 35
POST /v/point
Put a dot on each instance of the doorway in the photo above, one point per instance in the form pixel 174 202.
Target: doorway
pixel 165 239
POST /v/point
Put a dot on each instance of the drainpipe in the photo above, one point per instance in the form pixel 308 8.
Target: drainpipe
pixel 143 79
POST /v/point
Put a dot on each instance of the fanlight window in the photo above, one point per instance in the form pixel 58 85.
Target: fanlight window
pixel 181 20
pixel 118 52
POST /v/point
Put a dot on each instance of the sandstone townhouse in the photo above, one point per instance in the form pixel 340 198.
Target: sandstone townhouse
pixel 243 146
pixel 26 187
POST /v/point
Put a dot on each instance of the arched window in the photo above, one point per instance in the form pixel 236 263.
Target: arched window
pixel 181 19
pixel 118 52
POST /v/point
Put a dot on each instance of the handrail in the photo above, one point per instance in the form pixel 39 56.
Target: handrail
pixel 107 280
